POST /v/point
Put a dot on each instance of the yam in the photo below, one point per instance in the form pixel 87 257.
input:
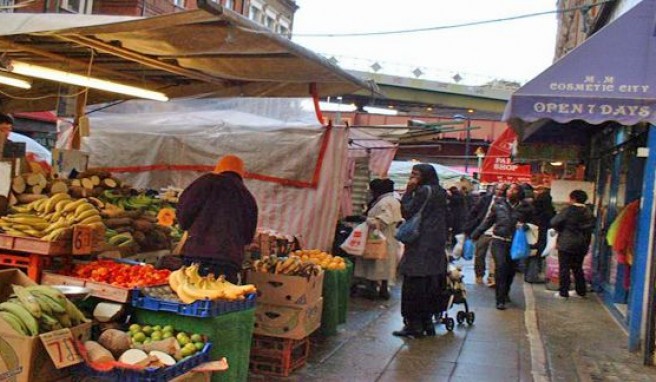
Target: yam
pixel 116 341
pixel 77 192
pixel 87 183
pixel 117 222
pixel 135 357
pixel 18 185
pixel 142 225
pixel 95 180
pixel 32 178
pixel 29 198
pixel 96 191
pixel 43 181
pixel 97 353
pixel 12 200
pixel 107 311
pixel 110 183
pixel 36 189
pixel 76 183
pixel 102 174
pixel 169 346
pixel 164 358
pixel 58 187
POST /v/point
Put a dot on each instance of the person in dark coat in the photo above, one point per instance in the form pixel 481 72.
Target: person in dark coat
pixel 543 213
pixel 457 211
pixel 575 225
pixel 220 215
pixel 506 216
pixel 424 262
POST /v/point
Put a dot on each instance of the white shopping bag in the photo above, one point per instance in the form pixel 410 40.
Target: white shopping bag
pixel 457 249
pixel 356 242
pixel 552 239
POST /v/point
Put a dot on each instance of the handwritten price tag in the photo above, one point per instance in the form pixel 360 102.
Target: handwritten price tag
pixel 60 347
pixel 82 240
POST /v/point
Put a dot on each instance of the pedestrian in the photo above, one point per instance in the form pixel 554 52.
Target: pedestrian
pixel 6 124
pixel 456 212
pixel 220 215
pixel 423 265
pixel 477 215
pixel 507 215
pixel 383 214
pixel 575 225
pixel 543 213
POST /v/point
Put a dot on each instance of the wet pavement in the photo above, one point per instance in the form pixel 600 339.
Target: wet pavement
pixel 538 338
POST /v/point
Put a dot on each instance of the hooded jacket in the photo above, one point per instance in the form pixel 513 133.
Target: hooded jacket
pixel 504 217
pixel 426 256
pixel 574 225
pixel 221 216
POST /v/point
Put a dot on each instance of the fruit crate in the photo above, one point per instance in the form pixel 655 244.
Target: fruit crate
pixel 201 308
pixel 148 374
pixel 278 356
pixel 35 246
pixel 100 290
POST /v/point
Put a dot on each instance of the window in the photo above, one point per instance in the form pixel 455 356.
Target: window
pixel 255 14
pixel 229 4
pixel 77 6
pixel 270 22
pixel 179 3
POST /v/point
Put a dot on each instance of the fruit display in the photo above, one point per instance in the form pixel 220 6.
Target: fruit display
pixel 191 287
pixel 52 218
pixel 134 231
pixel 32 310
pixel 170 194
pixel 291 265
pixel 121 275
pixel 162 292
pixel 323 259
pixel 269 243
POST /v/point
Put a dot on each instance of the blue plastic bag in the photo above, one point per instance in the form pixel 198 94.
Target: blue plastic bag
pixel 520 248
pixel 468 249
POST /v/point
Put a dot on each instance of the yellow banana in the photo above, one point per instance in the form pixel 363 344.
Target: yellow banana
pixel 52 202
pixel 61 204
pixel 91 220
pixel 73 206
pixel 184 297
pixel 86 214
pixel 84 207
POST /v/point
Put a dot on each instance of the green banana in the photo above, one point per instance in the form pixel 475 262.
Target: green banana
pixel 74 313
pixel 120 239
pixel 23 314
pixel 65 320
pixel 48 304
pixel 50 292
pixel 14 322
pixel 28 301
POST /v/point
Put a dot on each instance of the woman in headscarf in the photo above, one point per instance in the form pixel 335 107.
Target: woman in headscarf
pixel 424 262
pixel 383 213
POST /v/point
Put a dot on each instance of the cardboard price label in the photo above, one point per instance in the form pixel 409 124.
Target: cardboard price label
pixel 82 240
pixel 60 347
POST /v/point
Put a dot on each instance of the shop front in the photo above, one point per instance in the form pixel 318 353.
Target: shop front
pixel 597 107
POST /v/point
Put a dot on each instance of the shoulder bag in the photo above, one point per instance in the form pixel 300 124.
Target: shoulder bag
pixel 408 231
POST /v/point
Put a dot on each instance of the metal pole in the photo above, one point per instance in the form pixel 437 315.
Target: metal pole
pixel 467 141
pixel 338 115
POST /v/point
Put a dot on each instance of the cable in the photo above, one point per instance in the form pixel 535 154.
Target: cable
pixel 453 26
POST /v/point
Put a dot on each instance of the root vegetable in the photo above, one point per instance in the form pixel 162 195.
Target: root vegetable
pixel 36 189
pixel 29 198
pixel 118 222
pixel 164 358
pixel 134 357
pixel 110 183
pixel 18 185
pixel 77 191
pixel 107 311
pixel 76 183
pixel 87 183
pixel 91 172
pixel 58 186
pixel 116 341
pixel 142 225
pixel 97 353
pixel 169 346
pixel 95 179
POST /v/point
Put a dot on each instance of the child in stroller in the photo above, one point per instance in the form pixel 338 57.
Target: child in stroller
pixel 455 293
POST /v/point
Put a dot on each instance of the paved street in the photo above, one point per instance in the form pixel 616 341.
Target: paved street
pixel 538 338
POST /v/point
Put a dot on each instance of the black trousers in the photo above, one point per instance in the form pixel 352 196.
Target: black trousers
pixel 571 261
pixel 504 268
pixel 482 244
pixel 419 298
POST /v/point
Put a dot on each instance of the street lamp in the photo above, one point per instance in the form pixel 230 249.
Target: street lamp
pixel 480 154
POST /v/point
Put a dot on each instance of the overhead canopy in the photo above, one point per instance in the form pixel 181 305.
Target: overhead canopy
pixel 208 52
pixel 610 77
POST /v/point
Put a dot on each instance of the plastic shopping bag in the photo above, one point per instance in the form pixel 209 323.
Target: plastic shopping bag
pixel 354 244
pixel 520 249
pixel 468 249
pixel 457 249
pixel 552 239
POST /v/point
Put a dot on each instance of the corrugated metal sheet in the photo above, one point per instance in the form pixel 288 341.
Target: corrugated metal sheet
pixel 360 185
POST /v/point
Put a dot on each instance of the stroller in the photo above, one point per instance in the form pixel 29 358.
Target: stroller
pixel 455 293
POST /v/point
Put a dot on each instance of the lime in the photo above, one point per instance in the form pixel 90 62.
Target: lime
pixel 191 347
pixel 156 336
pixel 139 337
pixel 185 352
pixel 196 338
pixel 183 341
pixel 157 328
pixel 166 335
pixel 148 340
pixel 199 345
pixel 148 330
pixel 181 335
pixel 134 328
pixel 168 328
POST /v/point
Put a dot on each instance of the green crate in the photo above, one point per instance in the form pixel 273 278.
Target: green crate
pixel 336 289
pixel 230 333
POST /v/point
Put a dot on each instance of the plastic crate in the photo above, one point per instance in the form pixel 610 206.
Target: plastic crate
pixel 278 356
pixel 201 308
pixel 150 374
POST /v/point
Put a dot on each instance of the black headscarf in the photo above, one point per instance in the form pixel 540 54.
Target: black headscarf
pixel 378 188
pixel 428 174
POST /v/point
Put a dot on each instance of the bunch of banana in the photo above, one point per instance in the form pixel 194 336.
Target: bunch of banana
pixel 38 309
pixel 292 265
pixel 51 218
pixel 190 286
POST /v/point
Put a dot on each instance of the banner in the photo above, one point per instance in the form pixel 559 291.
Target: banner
pixel 498 166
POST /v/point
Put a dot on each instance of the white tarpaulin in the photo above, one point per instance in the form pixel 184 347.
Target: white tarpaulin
pixel 295 166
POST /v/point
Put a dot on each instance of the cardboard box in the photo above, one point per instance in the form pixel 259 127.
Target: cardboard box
pixel 100 290
pixel 286 290
pixel 295 322
pixel 22 358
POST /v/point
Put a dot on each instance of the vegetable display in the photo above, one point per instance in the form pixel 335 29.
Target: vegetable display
pixel 122 275
pixel 292 265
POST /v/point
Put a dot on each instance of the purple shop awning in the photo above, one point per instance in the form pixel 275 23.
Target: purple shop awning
pixel 610 77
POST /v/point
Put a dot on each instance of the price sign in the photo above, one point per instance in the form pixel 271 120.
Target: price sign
pixel 82 240
pixel 60 347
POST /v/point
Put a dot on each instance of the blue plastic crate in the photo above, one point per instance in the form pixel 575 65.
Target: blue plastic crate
pixel 201 308
pixel 150 374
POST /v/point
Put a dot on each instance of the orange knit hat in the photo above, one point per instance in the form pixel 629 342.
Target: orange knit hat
pixel 230 163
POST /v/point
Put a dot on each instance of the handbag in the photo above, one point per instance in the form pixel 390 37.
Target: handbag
pixel 408 231
pixel 355 243
pixel 376 247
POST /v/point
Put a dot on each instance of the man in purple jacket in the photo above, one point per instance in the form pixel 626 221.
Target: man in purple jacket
pixel 220 215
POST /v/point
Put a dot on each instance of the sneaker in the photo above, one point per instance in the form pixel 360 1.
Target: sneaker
pixel 479 280
pixel 560 297
pixel 501 306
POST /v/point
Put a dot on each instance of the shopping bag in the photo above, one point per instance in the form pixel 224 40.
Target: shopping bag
pixel 457 249
pixel 376 247
pixel 354 244
pixel 408 231
pixel 552 240
pixel 468 249
pixel 520 248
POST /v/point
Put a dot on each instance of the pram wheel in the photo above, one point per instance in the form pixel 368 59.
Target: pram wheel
pixel 449 323
pixel 461 317
pixel 470 317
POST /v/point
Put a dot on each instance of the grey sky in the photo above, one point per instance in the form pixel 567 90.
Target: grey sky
pixel 512 50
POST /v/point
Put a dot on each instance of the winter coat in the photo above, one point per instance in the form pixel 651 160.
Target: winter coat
pixel 457 212
pixel 221 216
pixel 575 225
pixel 426 256
pixel 477 213
pixel 504 217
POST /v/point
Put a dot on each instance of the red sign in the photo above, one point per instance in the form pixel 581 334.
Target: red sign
pixel 498 166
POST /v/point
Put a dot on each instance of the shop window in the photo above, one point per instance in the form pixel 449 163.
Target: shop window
pixel 179 3
pixel 270 22
pixel 77 6
pixel 255 14
pixel 6 6
pixel 229 4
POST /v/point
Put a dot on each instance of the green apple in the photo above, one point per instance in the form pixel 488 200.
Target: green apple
pixel 147 330
pixel 199 345
pixel 196 338
pixel 134 328
pixel 168 328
